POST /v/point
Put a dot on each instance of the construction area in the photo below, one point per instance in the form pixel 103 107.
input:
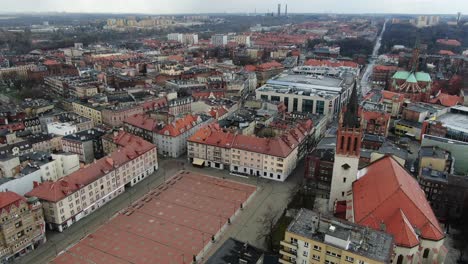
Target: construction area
pixel 174 223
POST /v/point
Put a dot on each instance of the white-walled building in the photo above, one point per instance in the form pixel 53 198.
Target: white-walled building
pixel 219 40
pixel 79 194
pixel 62 129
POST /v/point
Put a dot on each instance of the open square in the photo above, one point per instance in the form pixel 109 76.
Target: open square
pixel 170 224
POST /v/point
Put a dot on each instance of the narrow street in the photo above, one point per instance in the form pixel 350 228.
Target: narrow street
pixel 366 86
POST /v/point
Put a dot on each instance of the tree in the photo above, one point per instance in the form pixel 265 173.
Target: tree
pixel 268 222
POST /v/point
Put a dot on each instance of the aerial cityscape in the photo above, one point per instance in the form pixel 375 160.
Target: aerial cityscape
pixel 243 132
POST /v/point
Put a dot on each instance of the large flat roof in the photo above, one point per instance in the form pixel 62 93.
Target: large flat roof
pixel 169 225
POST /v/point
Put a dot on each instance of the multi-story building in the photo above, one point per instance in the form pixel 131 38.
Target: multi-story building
pixel 219 40
pixel 19 71
pixel 374 119
pixel 81 123
pixel 61 129
pixel 271 158
pixel 180 106
pixel 77 195
pixel 86 144
pixel 22 225
pixel 171 138
pixel 307 94
pixel 425 21
pixel 87 110
pixel 115 116
pixel 451 125
pixel 313 238
pixel 19 177
pixel 142 125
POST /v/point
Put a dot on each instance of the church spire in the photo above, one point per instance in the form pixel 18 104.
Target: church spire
pixel 350 117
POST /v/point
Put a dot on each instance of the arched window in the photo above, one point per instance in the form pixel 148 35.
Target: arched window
pixel 426 253
pixel 400 259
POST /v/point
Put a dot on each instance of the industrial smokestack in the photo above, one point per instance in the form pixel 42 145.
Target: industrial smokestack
pixel 286 10
pixel 279 9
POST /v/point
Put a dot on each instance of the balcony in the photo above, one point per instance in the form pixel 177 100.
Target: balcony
pixel 287 254
pixel 288 245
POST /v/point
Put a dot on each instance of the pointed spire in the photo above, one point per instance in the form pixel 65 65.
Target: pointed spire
pixel 350 117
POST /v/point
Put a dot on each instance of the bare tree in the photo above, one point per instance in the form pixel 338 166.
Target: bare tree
pixel 268 222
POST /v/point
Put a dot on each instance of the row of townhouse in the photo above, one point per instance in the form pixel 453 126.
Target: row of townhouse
pixel 77 195
pixel 271 158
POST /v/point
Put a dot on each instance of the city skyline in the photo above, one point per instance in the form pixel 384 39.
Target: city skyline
pixel 241 6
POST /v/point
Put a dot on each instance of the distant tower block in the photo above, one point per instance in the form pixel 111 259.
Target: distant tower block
pixel 286 10
pixel 459 17
pixel 279 9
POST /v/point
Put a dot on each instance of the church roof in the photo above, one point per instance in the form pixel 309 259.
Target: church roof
pixel 350 116
pixel 408 76
pixel 387 195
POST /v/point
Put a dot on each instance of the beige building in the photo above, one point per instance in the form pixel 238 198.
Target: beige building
pixel 87 110
pixel 73 197
pixel 22 226
pixel 312 238
pixel 271 158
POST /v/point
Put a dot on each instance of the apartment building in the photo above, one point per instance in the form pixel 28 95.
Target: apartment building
pixel 86 144
pixel 22 225
pixel 77 195
pixel 115 116
pixel 19 175
pixel 272 158
pixel 313 238
pixel 180 106
pixel 87 110
pixel 171 138
pixel 219 40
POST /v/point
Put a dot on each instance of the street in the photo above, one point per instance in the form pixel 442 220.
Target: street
pixel 244 228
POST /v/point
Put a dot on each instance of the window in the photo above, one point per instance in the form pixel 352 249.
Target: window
pixel 293 241
pixel 426 253
pixel 349 259
pixel 304 261
pixel 399 260
pixel 305 254
pixel 318 248
pixel 316 257
pixel 361 261
pixel 344 180
pixel 342 193
pixel 306 244
pixel 18 224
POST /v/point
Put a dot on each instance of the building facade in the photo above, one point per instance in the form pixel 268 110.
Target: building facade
pixel 22 225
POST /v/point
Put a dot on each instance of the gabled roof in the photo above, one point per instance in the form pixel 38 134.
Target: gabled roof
pixel 9 198
pixel 384 189
pixel 56 191
pixel 179 126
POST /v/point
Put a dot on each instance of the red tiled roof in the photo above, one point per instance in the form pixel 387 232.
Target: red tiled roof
pixel 250 68
pixel 447 100
pixel 391 95
pixel 449 42
pixel 446 52
pixel 155 104
pixel 9 198
pixel 56 191
pixel 269 65
pixel 382 192
pixel 385 68
pixel 213 135
pixel 142 121
pixel 179 126
pixel 218 112
pixel 51 62
pixel 280 146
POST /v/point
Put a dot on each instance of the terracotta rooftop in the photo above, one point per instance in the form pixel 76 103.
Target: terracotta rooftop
pixel 142 121
pixel 387 194
pixel 9 198
pixel 447 100
pixel 179 126
pixel 56 191
pixel 280 146
pixel 449 42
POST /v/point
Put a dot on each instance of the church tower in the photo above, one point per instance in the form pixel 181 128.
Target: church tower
pixel 348 147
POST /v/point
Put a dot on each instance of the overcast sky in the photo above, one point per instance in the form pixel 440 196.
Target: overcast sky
pixel 230 6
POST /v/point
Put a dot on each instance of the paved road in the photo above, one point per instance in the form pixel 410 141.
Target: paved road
pixel 365 85
pixel 244 227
